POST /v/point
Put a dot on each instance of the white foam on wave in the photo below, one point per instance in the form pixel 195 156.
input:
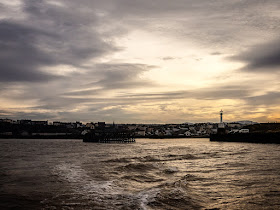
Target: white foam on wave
pixel 147 196
pixel 81 182
pixel 70 172
pixel 102 191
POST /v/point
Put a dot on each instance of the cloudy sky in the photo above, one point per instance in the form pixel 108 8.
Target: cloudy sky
pixel 140 61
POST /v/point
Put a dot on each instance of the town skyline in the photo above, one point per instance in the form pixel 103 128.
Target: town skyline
pixel 44 129
pixel 140 61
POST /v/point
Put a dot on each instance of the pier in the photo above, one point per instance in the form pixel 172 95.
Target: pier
pixel 109 136
pixel 265 138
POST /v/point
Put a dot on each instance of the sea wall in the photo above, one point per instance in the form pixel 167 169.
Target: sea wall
pixel 269 138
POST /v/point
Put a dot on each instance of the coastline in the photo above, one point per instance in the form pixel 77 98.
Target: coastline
pixel 81 137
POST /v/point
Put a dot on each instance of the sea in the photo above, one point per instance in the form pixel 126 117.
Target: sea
pixel 149 174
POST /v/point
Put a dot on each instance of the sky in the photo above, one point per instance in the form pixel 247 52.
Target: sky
pixel 140 61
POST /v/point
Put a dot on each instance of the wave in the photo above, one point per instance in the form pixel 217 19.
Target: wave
pixel 143 178
pixel 170 157
pixel 171 170
pixel 118 160
pixel 175 195
pixel 149 158
pixel 137 167
pixel 180 157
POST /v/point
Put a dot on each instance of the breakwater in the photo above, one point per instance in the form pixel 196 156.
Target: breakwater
pixel 266 138
pixel 171 137
pixel 109 136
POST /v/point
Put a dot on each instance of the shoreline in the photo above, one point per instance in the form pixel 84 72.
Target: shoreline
pixel 81 137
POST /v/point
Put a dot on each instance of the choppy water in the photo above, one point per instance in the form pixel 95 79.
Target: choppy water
pixel 150 174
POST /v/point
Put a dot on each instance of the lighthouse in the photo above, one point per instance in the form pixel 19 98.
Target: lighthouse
pixel 221 125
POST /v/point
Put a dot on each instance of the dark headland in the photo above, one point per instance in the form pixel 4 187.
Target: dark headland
pixel 258 133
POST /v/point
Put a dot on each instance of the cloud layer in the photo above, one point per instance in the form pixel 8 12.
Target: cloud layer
pixel 262 58
pixel 139 61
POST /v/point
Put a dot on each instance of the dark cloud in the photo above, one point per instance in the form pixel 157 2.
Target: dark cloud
pixel 216 53
pixel 60 103
pixel 50 36
pixel 213 93
pixel 223 92
pixel 76 26
pixel 87 92
pixel 34 115
pixel 214 23
pixel 122 76
pixel 268 99
pixel 112 77
pixel 116 114
pixel 168 58
pixel 20 58
pixel 261 58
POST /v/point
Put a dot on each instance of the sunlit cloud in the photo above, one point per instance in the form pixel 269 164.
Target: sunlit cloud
pixel 140 61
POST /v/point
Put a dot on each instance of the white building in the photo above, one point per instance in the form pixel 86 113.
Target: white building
pixel 244 130
pixel 188 133
pixel 140 133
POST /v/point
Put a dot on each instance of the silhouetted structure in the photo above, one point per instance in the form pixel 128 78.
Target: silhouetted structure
pixel 221 126
pixel 266 138
pixel 269 134
pixel 105 134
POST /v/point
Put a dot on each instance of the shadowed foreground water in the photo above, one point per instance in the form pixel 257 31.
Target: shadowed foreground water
pixel 150 174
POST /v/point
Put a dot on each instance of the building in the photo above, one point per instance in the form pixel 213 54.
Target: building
pixel 24 122
pixel 7 121
pixel 101 124
pixel 90 125
pixel 39 122
pixel 243 130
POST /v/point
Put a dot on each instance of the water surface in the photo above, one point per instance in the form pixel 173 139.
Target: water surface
pixel 149 174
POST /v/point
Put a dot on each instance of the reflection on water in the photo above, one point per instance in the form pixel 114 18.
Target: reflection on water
pixel 150 174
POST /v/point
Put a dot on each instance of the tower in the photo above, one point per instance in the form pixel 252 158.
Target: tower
pixel 221 125
pixel 221 114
